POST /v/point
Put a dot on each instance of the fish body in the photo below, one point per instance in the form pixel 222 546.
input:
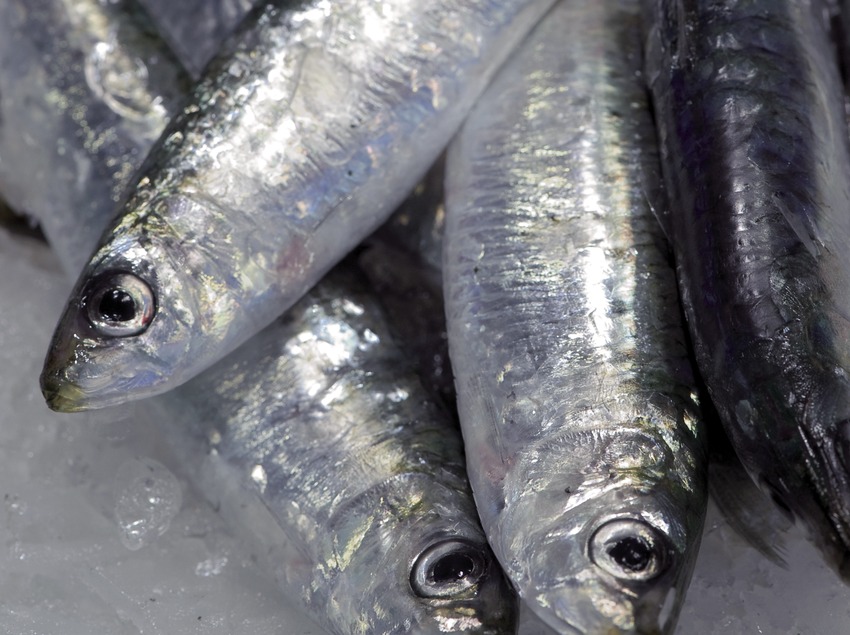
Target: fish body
pixel 584 444
pixel 293 148
pixel 322 418
pixel 754 144
pixel 86 88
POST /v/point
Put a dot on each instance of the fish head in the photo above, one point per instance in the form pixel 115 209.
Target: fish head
pixel 128 329
pixel 600 538
pixel 418 563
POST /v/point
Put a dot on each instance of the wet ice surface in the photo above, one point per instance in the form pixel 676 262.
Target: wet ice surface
pixel 737 590
pixel 72 485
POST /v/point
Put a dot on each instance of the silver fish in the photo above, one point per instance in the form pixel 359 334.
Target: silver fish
pixel 251 195
pixel 323 420
pixel 755 153
pixel 86 88
pixel 585 448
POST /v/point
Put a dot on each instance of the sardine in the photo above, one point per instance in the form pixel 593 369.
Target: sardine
pixel 86 88
pixel 584 444
pixel 755 153
pixel 293 148
pixel 323 419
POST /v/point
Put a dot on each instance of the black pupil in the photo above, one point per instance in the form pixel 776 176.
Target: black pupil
pixel 453 567
pixel 633 554
pixel 117 305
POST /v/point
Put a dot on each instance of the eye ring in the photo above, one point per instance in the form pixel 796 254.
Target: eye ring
pixel 119 304
pixel 630 550
pixel 447 569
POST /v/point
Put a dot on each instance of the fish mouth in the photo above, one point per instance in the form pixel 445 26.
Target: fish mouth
pixel 62 396
pixel 66 397
pixel 64 393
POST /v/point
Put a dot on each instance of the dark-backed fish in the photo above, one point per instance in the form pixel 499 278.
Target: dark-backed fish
pixel 749 106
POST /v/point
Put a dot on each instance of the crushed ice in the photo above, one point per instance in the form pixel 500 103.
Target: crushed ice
pixel 147 498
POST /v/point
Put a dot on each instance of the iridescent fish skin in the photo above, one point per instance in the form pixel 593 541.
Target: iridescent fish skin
pixel 755 153
pixel 293 148
pixel 327 423
pixel 86 88
pixel 584 445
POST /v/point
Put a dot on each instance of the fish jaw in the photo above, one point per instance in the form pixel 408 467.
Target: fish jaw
pixel 61 396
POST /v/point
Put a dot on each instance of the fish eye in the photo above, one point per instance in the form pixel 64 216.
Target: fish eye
pixel 447 569
pixel 119 304
pixel 630 550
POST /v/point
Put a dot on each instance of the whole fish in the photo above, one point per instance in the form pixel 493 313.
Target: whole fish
pixel 195 29
pixel 754 144
pixel 292 149
pixel 323 420
pixel 86 87
pixel 584 444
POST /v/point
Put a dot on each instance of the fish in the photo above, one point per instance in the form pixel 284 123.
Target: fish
pixel 250 197
pixel 86 88
pixel 323 420
pixel 744 506
pixel 748 102
pixel 585 445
